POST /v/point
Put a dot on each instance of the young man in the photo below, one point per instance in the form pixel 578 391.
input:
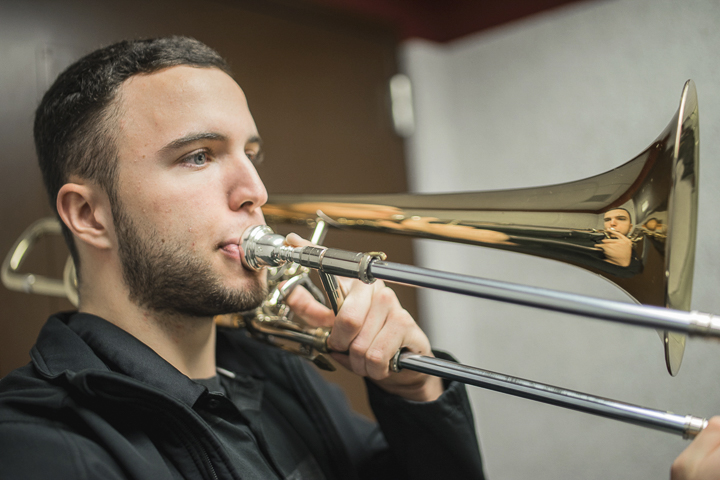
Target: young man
pixel 617 220
pixel 618 247
pixel 147 150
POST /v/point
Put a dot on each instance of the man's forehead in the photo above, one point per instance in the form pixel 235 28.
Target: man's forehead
pixel 176 100
pixel 618 212
pixel 175 86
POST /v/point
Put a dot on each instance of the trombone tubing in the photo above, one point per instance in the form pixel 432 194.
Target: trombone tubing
pixel 686 425
pixel 691 323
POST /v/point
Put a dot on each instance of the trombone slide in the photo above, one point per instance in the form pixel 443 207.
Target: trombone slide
pixel 692 323
pixel 261 248
pixel 686 425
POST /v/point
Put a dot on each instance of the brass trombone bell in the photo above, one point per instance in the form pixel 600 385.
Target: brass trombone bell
pixel 658 189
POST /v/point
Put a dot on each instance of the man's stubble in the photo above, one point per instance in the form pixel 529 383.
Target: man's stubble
pixel 167 277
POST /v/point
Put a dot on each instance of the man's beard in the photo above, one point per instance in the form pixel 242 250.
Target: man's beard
pixel 167 278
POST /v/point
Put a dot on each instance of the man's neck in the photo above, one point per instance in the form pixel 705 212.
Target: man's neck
pixel 187 343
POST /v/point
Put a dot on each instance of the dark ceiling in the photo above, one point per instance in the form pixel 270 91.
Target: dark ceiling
pixel 440 20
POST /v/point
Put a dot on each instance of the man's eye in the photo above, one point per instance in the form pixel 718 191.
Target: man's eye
pixel 198 159
pixel 254 156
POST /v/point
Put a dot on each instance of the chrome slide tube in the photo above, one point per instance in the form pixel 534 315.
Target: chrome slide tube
pixel 692 323
pixel 686 425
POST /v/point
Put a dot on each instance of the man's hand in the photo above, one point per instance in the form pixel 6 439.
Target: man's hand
pixel 701 459
pixel 618 249
pixel 371 325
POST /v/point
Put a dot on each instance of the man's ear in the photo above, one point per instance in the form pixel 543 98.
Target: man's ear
pixel 86 212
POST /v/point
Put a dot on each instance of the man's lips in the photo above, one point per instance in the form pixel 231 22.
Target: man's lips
pixel 236 253
pixel 232 249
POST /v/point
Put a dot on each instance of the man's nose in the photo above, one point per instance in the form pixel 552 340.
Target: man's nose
pixel 245 189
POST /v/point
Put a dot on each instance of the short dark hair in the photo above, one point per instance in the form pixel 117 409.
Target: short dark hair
pixel 74 123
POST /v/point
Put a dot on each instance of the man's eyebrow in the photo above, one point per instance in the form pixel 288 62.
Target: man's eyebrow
pixel 191 138
pixel 255 139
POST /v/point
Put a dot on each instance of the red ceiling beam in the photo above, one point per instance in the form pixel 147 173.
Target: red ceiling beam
pixel 444 20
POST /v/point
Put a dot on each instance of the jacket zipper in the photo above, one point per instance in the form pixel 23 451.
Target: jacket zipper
pixel 198 445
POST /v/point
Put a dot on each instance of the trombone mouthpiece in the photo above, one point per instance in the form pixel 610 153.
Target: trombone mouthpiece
pixel 261 247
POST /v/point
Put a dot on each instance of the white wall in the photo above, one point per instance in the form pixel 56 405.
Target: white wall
pixel 559 97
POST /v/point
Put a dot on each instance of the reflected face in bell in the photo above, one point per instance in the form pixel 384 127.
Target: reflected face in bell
pixel 187 189
pixel 617 220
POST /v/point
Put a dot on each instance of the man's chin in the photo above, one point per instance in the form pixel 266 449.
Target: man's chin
pixel 212 302
pixel 246 279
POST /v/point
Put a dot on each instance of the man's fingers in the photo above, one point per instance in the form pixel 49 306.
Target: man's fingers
pixel 302 302
pixel 351 316
pixel 400 331
pixel 295 240
pixel 707 440
pixel 701 459
pixel 383 304
pixel 304 305
pixel 617 237
pixel 371 326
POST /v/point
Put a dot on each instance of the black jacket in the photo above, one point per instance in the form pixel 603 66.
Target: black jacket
pixel 96 403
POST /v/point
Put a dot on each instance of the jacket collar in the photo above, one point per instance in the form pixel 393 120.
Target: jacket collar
pixel 79 345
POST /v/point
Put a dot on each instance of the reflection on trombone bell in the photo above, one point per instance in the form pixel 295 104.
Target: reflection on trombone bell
pixel 618 220
pixel 617 247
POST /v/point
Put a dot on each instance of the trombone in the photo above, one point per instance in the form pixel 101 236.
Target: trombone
pixel 657 189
